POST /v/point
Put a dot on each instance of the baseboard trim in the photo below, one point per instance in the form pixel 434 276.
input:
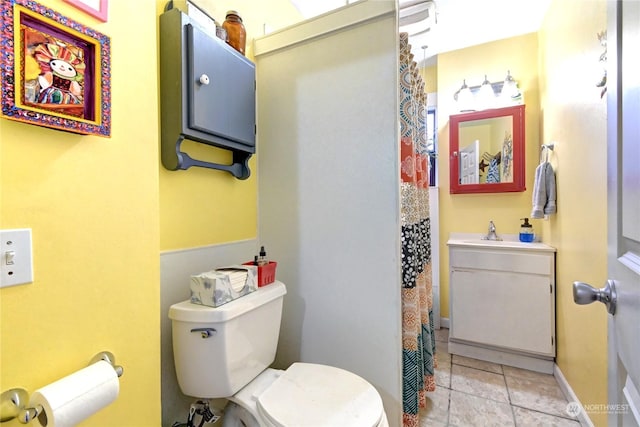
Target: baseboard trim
pixel 444 322
pixel 501 357
pixel 583 418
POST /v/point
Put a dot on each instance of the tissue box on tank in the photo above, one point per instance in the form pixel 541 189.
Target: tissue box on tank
pixel 215 288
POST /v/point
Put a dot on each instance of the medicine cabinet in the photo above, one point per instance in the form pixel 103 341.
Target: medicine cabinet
pixel 487 151
pixel 207 95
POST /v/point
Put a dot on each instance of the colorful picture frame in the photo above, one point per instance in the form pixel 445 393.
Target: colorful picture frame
pixel 96 8
pixel 55 72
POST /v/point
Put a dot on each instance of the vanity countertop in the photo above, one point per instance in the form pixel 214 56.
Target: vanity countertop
pixel 509 241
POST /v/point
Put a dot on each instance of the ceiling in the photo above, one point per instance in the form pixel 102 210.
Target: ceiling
pixel 456 24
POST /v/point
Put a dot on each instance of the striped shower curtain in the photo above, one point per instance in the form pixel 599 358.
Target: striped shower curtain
pixel 418 340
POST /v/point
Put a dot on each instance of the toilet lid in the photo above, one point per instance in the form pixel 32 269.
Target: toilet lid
pixel 308 394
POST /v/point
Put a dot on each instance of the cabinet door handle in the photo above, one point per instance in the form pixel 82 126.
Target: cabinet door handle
pixel 204 79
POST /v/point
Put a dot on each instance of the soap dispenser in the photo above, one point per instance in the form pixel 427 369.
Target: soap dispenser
pixel 526 231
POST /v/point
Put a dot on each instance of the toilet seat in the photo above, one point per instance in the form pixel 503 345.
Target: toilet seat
pixel 302 399
pixel 320 395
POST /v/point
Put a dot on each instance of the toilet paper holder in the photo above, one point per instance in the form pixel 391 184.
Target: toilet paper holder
pixel 13 402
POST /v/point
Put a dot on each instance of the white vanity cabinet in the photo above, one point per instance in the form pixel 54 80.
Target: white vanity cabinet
pixel 502 302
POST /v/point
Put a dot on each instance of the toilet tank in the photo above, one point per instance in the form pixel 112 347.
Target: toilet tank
pixel 219 350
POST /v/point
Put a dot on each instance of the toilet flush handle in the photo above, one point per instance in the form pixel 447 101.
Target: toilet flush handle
pixel 205 332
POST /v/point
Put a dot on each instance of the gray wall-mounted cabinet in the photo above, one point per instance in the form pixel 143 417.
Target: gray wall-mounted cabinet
pixel 207 95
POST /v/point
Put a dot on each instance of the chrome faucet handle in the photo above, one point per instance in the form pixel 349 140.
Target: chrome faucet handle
pixel 491 234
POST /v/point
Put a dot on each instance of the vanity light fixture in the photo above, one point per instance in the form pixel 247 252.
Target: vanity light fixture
pixel 488 95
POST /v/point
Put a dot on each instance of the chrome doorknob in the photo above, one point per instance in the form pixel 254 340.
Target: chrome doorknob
pixel 584 293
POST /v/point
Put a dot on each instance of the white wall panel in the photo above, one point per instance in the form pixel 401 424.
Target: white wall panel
pixel 328 184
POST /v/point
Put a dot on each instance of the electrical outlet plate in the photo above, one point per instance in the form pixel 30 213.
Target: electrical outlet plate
pixel 16 265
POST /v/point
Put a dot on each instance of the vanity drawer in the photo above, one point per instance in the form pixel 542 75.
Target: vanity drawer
pixel 510 261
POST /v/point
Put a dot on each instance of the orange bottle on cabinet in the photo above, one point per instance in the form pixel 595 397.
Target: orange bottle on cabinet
pixel 236 33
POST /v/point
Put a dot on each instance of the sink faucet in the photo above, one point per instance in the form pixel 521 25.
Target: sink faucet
pixel 491 235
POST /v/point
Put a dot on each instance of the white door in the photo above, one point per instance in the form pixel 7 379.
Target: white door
pixel 469 172
pixel 624 213
pixel 622 290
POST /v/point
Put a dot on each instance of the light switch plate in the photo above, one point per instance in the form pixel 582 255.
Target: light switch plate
pixel 16 265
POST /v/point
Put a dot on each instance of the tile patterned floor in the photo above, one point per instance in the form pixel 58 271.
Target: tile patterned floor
pixel 472 392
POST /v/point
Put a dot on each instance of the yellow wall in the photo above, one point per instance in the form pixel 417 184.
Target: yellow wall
pixel 99 210
pixel 470 213
pixel 430 77
pixel 199 207
pixel 574 118
pixel 92 205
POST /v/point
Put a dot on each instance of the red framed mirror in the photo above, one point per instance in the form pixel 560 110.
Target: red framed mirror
pixel 486 151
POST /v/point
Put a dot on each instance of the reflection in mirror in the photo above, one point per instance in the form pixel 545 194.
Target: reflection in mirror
pixel 492 145
pixel 469 170
pixel 487 151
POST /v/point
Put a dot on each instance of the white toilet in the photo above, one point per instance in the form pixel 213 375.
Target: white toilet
pixel 225 352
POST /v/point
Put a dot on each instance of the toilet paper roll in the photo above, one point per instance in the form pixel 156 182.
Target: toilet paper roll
pixel 74 398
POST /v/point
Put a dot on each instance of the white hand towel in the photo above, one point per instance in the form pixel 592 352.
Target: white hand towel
pixel 544 191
